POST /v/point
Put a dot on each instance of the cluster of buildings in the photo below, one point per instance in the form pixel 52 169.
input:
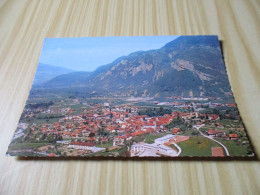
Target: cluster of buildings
pixel 196 106
pixel 84 146
pixel 155 149
pixel 96 121
pixel 119 120
pixel 216 133
pixel 194 98
pixel 122 121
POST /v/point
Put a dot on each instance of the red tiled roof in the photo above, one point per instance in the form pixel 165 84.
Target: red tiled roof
pixel 139 117
pixel 211 131
pixel 149 129
pixel 231 104
pixel 214 117
pixel 233 135
pixel 81 143
pixel 92 139
pixel 148 124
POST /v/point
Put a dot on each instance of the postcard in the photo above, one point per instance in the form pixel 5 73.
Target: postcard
pixel 129 97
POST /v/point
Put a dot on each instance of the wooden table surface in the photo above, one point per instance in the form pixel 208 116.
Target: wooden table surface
pixel 25 23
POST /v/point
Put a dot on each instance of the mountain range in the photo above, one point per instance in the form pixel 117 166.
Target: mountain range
pixel 187 66
pixel 46 72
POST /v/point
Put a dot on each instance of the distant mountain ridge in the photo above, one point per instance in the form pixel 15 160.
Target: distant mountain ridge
pixel 77 78
pixel 187 66
pixel 46 72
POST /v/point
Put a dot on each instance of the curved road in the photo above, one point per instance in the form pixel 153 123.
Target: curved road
pixel 198 128
pixel 178 147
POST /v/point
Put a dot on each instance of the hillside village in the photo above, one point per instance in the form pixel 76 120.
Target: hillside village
pixel 123 130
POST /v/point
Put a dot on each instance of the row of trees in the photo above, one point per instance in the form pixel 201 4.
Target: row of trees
pixel 151 112
pixel 39 105
pixel 51 138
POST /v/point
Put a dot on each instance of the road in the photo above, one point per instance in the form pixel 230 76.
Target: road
pixel 178 147
pixel 198 129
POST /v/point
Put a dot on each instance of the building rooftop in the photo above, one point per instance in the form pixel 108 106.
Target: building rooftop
pixel 165 137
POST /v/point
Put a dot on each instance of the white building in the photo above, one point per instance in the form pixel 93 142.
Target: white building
pixel 65 142
pixel 106 104
pixel 156 148
pixel 164 139
pixel 144 149
pixel 84 146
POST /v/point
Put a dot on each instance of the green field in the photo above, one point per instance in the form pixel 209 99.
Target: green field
pixel 150 138
pixel 189 132
pixel 19 146
pixel 197 146
pixel 105 145
pixel 121 152
pixel 234 148
pixel 174 147
pixel 103 153
pixel 41 121
pixel 230 122
pixel 205 129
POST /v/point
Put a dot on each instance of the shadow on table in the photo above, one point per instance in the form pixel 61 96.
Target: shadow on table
pixel 119 158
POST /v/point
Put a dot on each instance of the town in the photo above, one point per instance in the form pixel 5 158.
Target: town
pixel 137 127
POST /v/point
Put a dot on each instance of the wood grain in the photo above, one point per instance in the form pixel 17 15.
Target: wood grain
pixel 25 23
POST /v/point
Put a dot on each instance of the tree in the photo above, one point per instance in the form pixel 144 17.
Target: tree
pixel 183 129
pixel 101 131
pixel 178 116
pixel 231 132
pixel 51 139
pixel 161 111
pixel 215 111
pixel 58 152
pixel 195 133
pixel 43 137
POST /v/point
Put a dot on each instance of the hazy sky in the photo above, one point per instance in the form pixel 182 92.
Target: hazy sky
pixel 88 53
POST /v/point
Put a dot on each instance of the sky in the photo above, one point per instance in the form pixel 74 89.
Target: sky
pixel 88 53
